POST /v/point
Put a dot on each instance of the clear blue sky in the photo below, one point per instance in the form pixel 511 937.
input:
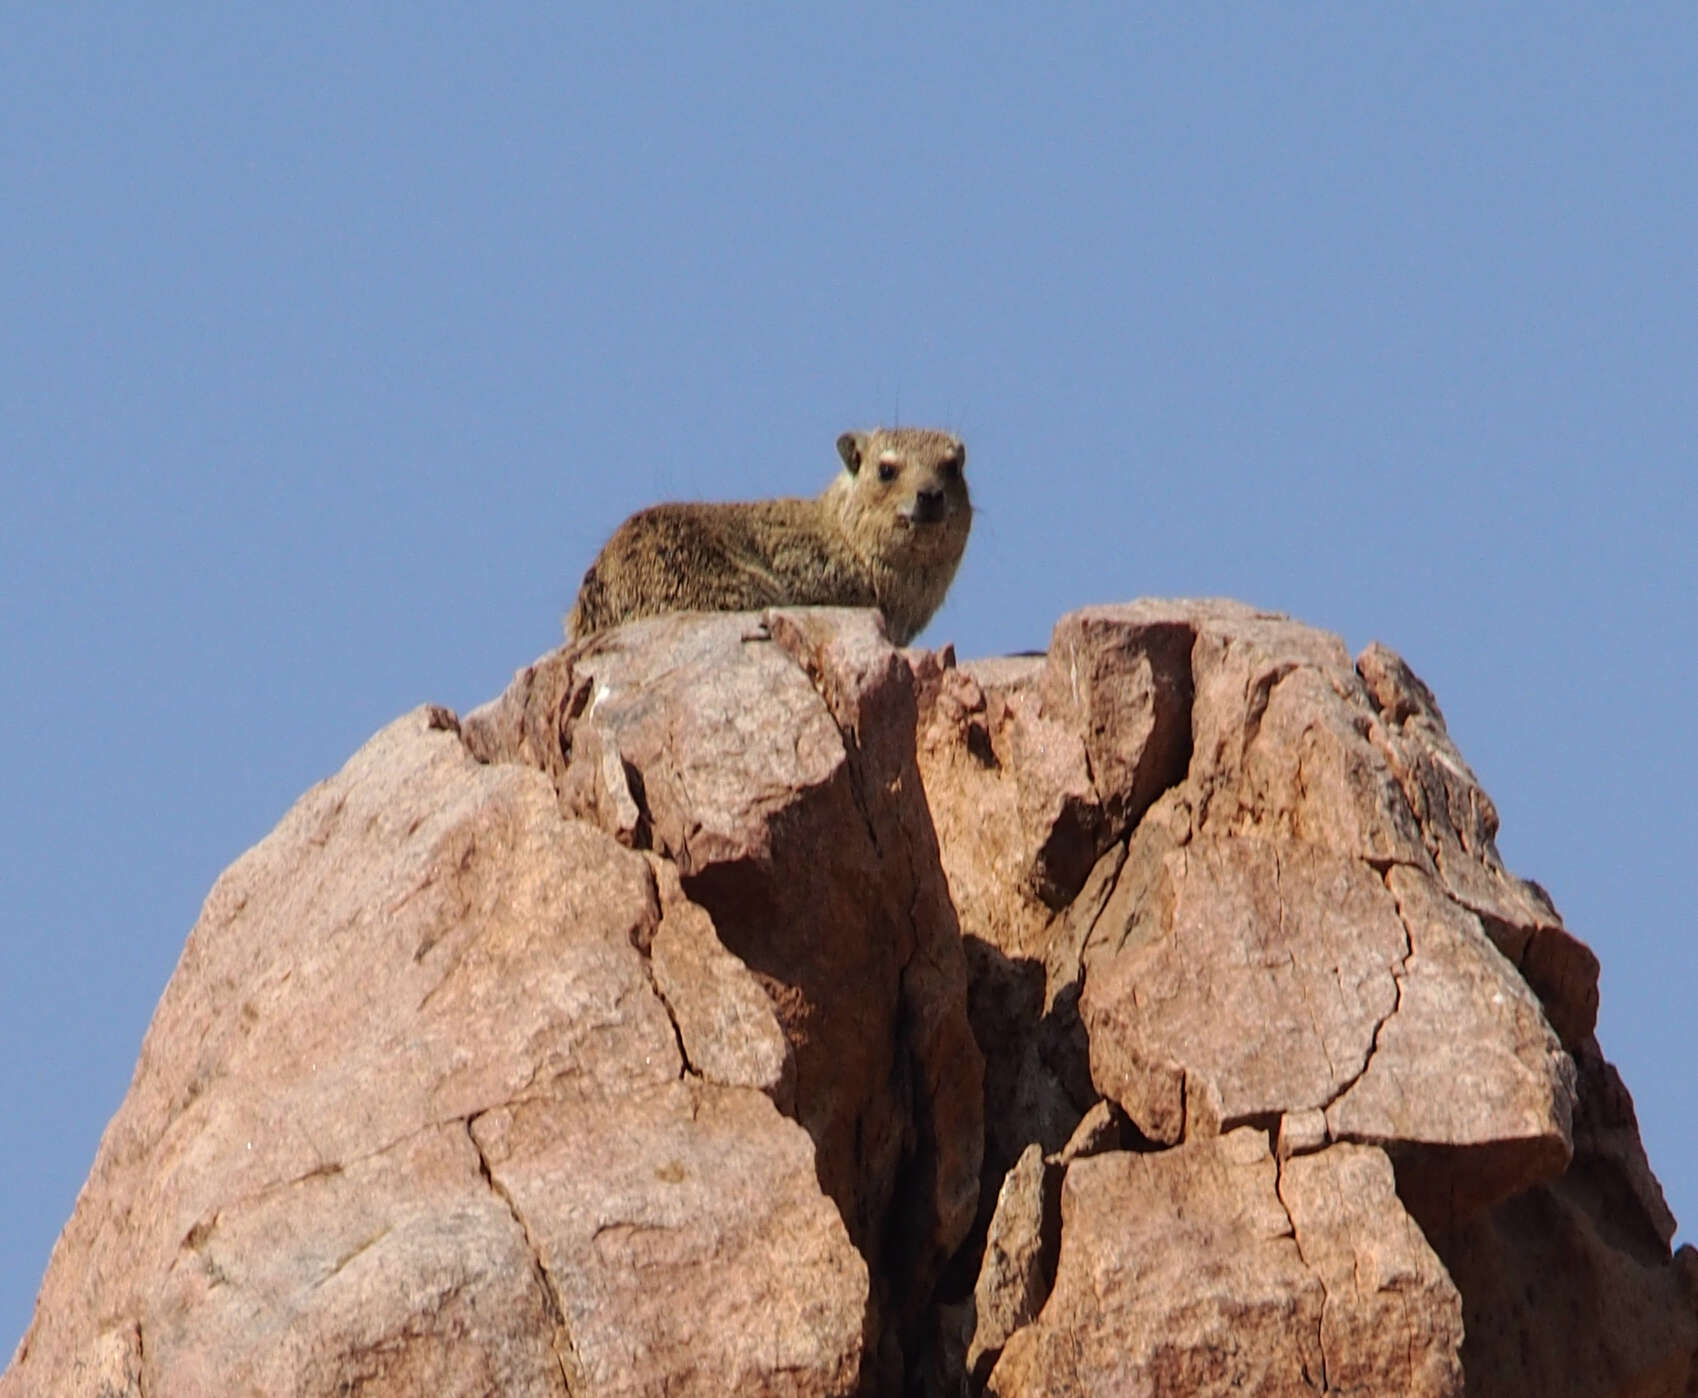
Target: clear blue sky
pixel 332 345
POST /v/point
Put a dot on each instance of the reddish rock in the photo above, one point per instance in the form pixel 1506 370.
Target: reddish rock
pixel 1467 1081
pixel 1249 978
pixel 727 1024
pixel 698 1256
pixel 1283 936
pixel 1010 794
pixel 1019 1264
pixel 1178 1274
pixel 740 1004
pixel 1284 745
pixel 294 1196
pixel 362 1277
pixel 771 762
pixel 1459 825
pixel 1121 679
pixel 1208 1269
pixel 1392 1320
pixel 1569 1288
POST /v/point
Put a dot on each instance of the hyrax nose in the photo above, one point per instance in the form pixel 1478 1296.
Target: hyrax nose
pixel 928 506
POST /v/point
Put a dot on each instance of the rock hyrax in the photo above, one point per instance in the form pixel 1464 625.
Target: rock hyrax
pixel 887 532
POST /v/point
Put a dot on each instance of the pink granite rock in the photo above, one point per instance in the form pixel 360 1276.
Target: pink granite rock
pixel 741 1004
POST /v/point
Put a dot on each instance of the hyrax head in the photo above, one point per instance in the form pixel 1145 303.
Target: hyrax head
pixel 907 490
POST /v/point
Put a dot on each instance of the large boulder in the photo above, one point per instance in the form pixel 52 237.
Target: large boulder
pixel 740 1004
pixel 1212 1268
pixel 1210 871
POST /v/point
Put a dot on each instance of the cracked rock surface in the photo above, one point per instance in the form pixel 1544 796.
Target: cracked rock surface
pixel 412 1117
pixel 1288 935
pixel 738 1004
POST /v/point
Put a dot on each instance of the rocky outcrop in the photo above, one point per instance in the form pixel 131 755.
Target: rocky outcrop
pixel 739 1004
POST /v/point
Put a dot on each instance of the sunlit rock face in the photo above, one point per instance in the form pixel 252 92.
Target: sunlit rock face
pixel 741 1004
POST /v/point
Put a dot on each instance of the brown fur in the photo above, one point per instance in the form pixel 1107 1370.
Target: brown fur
pixel 867 541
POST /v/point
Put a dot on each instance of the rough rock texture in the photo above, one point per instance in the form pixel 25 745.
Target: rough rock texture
pixel 1208 1268
pixel 413 1118
pixel 739 1004
pixel 771 765
pixel 1016 1275
pixel 1209 870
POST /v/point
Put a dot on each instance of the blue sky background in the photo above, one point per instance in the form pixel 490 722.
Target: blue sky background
pixel 333 344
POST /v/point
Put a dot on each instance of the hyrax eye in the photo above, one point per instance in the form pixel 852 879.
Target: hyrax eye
pixel 949 468
pixel 888 471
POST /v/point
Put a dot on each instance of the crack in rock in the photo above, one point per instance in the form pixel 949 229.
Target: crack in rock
pixel 1314 1271
pixel 364 1246
pixel 560 1341
pixel 204 1227
pixel 1399 972
pixel 1302 986
pixel 1258 693
pixel 794 645
pixel 688 1069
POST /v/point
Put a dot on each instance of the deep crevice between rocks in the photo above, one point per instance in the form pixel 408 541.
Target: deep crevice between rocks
pixel 560 1341
pixel 733 899
pixel 1266 1122
pixel 1048 1024
pixel 642 832
pixel 1052 1031
pixel 1054 1035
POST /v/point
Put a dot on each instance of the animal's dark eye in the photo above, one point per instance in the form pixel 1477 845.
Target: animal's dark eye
pixel 950 467
pixel 887 471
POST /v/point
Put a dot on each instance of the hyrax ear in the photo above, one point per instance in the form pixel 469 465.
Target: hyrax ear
pixel 852 446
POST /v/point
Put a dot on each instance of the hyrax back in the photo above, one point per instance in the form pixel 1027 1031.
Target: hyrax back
pixel 888 532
